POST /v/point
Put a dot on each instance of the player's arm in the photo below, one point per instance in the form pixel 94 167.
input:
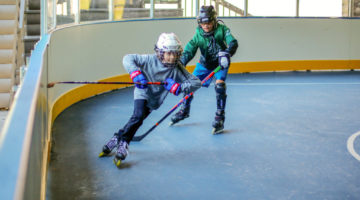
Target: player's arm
pixel 232 45
pixel 189 51
pixel 189 83
pixel 133 64
pixel 230 41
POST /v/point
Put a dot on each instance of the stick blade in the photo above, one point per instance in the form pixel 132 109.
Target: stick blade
pixel 137 138
pixel 50 85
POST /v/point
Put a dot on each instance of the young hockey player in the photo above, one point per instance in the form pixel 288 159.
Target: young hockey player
pixel 163 66
pixel 216 45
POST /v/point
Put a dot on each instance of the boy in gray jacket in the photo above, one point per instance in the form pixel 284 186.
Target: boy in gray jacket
pixel 163 66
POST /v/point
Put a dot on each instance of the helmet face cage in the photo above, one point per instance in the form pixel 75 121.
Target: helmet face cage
pixel 160 54
pixel 207 14
pixel 168 42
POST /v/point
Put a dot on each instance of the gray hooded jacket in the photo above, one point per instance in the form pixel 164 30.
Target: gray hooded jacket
pixel 154 71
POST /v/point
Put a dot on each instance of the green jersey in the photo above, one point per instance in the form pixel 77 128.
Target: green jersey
pixel 210 45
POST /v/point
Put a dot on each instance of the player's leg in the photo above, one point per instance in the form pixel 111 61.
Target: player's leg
pixel 201 72
pixel 141 111
pixel 220 90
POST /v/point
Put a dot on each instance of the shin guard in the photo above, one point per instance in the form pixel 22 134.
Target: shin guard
pixel 186 105
pixel 220 89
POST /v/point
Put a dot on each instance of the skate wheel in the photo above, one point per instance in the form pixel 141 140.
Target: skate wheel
pixel 101 154
pixel 214 131
pixel 117 162
pixel 171 123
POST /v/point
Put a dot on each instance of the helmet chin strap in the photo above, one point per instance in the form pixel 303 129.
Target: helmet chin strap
pixel 212 31
pixel 160 55
pixel 169 65
pixel 208 33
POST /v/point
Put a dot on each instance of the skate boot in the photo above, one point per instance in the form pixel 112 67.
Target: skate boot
pixel 121 152
pixel 218 124
pixel 183 113
pixel 107 148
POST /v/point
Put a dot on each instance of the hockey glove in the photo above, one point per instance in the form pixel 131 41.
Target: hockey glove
pixel 172 86
pixel 224 59
pixel 137 76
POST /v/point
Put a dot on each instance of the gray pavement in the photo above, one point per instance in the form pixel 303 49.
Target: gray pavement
pixel 285 138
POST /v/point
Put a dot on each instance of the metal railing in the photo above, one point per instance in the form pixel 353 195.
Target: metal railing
pixel 72 12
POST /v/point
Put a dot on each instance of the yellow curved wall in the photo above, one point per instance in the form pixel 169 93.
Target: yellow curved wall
pixel 265 44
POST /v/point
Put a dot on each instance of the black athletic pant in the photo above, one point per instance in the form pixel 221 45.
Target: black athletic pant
pixel 141 111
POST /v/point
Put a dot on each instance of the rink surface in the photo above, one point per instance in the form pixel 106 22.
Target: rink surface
pixel 287 136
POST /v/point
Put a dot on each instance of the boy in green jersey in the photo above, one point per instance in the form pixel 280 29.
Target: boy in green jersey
pixel 216 45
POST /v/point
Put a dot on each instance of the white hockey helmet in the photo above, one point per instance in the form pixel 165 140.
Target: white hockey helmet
pixel 168 42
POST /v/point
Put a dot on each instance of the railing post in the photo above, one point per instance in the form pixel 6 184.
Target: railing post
pixel 197 7
pixel 152 8
pixel 245 8
pixel 350 12
pixel 192 9
pixel 54 13
pixel 223 8
pixel 185 14
pixel 297 8
pixel 111 10
pixel 217 6
pixel 43 18
pixel 77 11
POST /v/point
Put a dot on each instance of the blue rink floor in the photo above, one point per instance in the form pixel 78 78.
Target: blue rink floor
pixel 286 137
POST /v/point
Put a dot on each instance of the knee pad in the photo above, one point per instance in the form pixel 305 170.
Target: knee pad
pixel 220 89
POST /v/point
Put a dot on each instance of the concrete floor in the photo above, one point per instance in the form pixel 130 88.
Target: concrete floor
pixel 286 137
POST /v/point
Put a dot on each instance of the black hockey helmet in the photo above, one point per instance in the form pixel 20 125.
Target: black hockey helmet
pixel 207 14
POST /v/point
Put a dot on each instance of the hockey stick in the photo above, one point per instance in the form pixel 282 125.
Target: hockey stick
pixel 140 137
pixel 52 84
